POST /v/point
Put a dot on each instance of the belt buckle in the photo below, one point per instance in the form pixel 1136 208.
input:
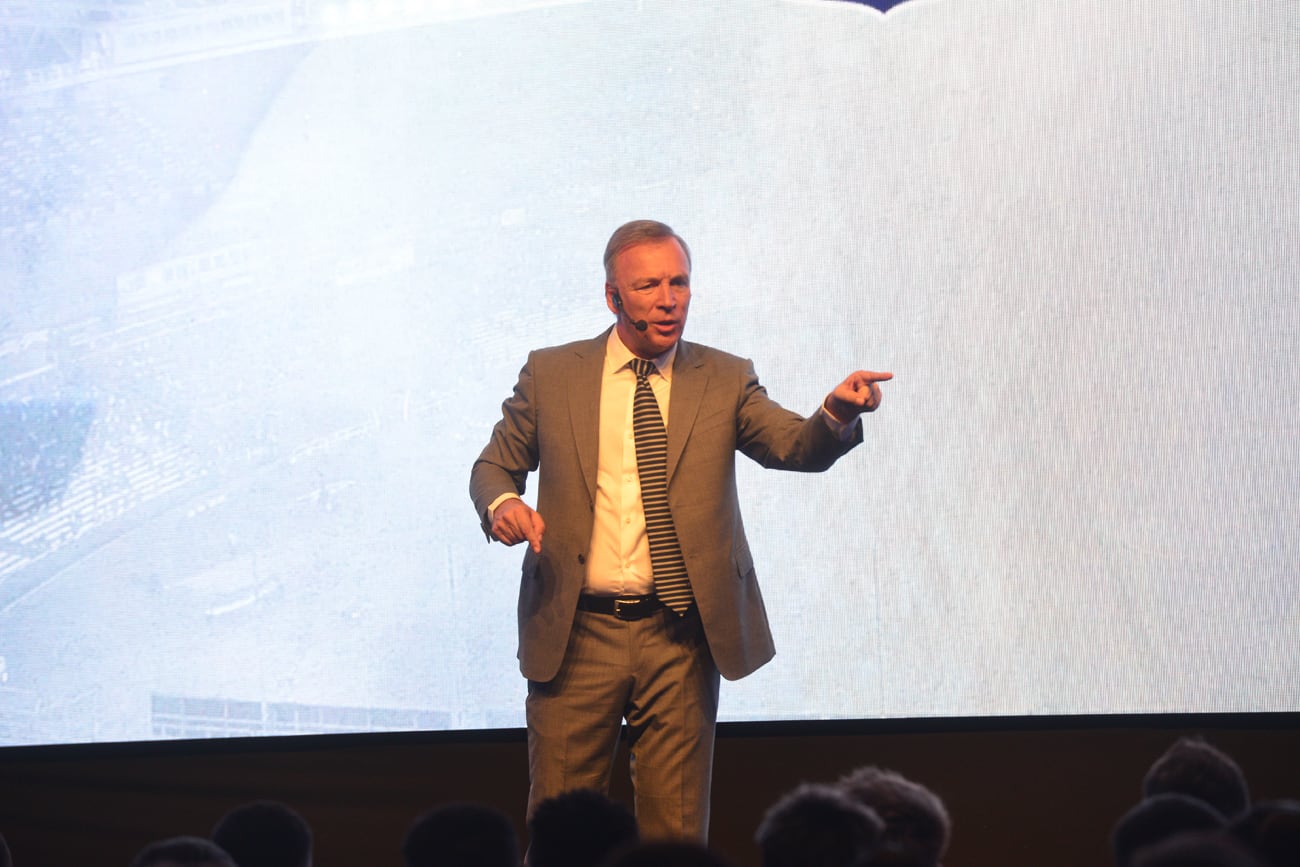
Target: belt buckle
pixel 629 604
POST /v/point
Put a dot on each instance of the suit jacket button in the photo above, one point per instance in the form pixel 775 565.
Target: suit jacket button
pixel 582 559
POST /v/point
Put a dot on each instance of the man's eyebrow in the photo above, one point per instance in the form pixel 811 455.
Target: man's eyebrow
pixel 675 280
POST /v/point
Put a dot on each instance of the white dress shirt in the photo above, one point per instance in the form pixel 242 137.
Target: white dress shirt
pixel 618 562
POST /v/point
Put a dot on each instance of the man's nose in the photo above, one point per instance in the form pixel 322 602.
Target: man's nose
pixel 667 297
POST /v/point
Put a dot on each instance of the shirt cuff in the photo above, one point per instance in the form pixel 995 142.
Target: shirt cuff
pixel 492 507
pixel 842 430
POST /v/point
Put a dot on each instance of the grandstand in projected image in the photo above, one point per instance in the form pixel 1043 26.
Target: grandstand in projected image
pixel 51 43
pixel 127 400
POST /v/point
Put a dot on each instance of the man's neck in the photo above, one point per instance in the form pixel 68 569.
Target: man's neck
pixel 664 361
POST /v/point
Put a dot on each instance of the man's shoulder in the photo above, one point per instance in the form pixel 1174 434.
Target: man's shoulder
pixel 699 354
pixel 575 349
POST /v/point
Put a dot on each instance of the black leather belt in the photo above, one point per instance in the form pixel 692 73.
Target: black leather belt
pixel 622 607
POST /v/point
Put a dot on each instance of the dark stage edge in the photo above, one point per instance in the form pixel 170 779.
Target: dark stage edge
pixel 1021 790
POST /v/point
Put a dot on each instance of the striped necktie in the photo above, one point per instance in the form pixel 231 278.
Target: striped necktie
pixel 671 583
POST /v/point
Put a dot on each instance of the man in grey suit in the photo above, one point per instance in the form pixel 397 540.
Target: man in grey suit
pixel 629 610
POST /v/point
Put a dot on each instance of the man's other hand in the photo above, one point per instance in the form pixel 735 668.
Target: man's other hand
pixel 514 521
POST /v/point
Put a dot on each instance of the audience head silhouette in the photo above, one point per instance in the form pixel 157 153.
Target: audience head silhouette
pixel 1195 768
pixel 916 823
pixel 1196 849
pixel 578 829
pixel 818 826
pixel 183 852
pixel 1158 818
pixel 265 834
pixel 461 835
pixel 1271 829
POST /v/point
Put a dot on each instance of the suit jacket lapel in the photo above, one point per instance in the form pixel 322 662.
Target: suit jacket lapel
pixel 584 406
pixel 689 381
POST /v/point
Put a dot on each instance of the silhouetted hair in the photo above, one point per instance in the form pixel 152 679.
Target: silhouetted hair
pixel 917 827
pixel 1158 818
pixel 578 829
pixel 1193 767
pixel 1271 829
pixel 461 835
pixel 818 826
pixel 638 232
pixel 667 853
pixel 264 834
pixel 1196 849
pixel 183 852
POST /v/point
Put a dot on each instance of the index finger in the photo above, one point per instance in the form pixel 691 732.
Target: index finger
pixel 533 530
pixel 874 376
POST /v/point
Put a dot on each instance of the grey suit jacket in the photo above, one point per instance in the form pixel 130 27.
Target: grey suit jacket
pixel 551 424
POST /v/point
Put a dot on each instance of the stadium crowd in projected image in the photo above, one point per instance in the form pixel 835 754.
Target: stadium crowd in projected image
pixel 267 270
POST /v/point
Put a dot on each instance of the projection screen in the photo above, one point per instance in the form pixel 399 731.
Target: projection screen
pixel 268 269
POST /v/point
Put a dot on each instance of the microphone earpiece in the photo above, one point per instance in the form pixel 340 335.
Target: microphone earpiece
pixel 638 324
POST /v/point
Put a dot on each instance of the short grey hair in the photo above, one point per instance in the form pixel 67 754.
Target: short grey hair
pixel 639 232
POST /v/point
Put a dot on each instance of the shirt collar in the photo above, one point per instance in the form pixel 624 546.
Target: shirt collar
pixel 617 356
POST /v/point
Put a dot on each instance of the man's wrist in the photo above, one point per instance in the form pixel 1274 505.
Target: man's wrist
pixel 833 416
pixel 495 504
pixel 841 429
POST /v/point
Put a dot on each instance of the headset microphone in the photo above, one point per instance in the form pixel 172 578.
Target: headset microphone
pixel 638 324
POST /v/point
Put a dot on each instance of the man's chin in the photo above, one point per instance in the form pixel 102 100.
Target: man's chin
pixel 665 335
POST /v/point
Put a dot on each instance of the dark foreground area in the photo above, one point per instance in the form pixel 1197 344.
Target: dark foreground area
pixel 1020 791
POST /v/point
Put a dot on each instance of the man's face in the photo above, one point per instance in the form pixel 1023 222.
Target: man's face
pixel 654 281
